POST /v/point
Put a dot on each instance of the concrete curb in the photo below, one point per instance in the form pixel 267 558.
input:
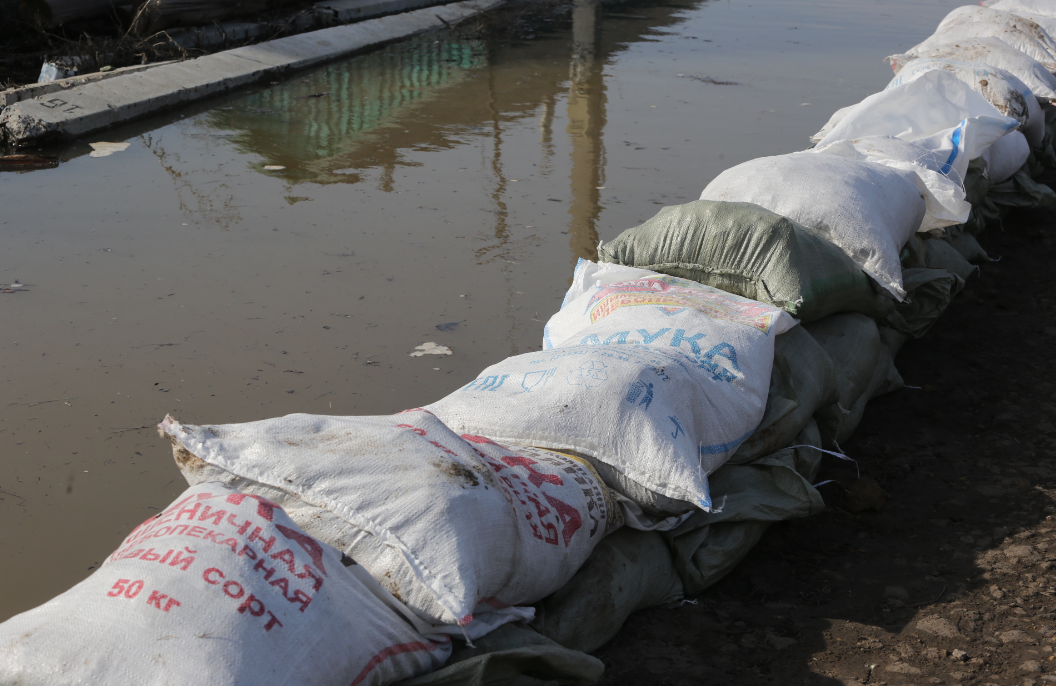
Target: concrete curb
pixel 91 107
pixel 33 90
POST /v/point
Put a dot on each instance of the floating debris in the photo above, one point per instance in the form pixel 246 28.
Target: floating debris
pixel 708 79
pixel 431 349
pixel 104 149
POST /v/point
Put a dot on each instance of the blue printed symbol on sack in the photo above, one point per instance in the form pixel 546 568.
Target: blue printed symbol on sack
pixel 537 379
pixel 488 383
pixel 710 362
pixel 634 391
pixel 590 374
pixel 678 427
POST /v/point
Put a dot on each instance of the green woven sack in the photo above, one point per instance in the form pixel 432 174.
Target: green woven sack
pixel 744 249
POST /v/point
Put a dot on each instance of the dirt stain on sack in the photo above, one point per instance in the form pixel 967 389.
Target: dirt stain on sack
pixel 391 586
pixel 457 472
pixel 189 463
pixel 487 476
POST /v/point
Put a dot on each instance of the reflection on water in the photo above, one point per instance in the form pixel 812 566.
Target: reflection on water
pixel 586 121
pixel 306 124
pixel 205 193
pixel 363 119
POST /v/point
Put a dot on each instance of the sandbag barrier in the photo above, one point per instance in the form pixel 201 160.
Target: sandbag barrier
pixel 688 390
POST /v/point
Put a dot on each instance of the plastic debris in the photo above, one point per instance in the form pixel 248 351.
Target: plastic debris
pixel 431 348
pixel 103 149
pixel 61 68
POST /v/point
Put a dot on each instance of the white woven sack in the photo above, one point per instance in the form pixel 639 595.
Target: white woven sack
pixel 452 525
pixel 1002 89
pixel 867 209
pixel 993 52
pixel 835 119
pixel 1005 157
pixel 659 377
pixel 1041 13
pixel 220 588
pixel 1047 23
pixel 593 285
pixel 1043 8
pixel 938 182
pixel 935 102
pixel 973 21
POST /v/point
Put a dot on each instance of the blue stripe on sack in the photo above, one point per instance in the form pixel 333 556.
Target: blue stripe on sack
pixel 723 447
pixel 706 503
pixel 579 265
pixel 547 343
pixel 956 139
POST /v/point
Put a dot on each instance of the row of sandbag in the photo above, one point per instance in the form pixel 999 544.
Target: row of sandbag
pixel 966 162
pixel 459 529
pixel 320 550
pixel 820 376
pixel 823 375
pixel 825 371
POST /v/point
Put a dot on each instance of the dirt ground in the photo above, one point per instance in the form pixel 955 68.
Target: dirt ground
pixel 953 582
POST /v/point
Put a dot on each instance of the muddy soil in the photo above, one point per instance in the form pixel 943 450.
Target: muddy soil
pixel 954 581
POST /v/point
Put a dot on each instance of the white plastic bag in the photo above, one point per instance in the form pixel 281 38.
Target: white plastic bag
pixel 937 181
pixel 1002 89
pixel 973 21
pixel 1005 157
pixel 453 525
pixel 867 209
pixel 659 377
pixel 994 52
pixel 220 588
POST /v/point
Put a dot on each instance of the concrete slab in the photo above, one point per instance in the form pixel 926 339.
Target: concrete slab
pixel 33 90
pixel 95 106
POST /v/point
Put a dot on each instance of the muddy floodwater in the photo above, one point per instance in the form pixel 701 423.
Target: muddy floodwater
pixel 287 248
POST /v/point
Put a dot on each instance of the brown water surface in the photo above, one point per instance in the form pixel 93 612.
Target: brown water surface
pixel 439 190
